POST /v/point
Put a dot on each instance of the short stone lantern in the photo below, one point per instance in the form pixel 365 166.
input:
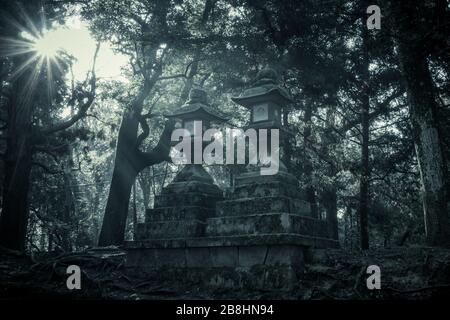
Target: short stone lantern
pixel 266 100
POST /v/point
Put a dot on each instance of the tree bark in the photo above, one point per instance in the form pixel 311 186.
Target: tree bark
pixel 307 167
pixel 145 187
pixel 428 141
pixel 330 204
pixel 329 194
pixel 135 217
pixel 125 170
pixel 129 162
pixel 427 134
pixel 18 163
pixel 363 209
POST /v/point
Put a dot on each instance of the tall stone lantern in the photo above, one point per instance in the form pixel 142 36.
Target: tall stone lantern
pixel 197 109
pixel 196 116
pixel 183 206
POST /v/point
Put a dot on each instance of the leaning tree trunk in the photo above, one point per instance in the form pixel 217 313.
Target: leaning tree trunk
pixel 129 162
pixel 428 144
pixel 123 177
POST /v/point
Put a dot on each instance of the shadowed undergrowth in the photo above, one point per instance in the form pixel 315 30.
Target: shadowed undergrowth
pixel 412 273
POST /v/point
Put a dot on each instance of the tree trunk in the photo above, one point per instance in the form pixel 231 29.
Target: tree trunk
pixel 288 142
pixel 18 163
pixel 145 187
pixel 123 177
pixel 411 39
pixel 329 196
pixel 428 141
pixel 129 161
pixel 365 126
pixel 135 217
pixel 330 204
pixel 307 167
pixel 68 211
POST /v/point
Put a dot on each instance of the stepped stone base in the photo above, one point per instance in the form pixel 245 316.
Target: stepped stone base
pixel 248 262
pixel 257 262
pixel 182 207
pixel 257 238
pixel 266 223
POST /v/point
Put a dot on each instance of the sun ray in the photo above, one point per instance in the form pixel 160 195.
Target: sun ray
pixel 49 79
pixel 13 47
pixel 23 66
pixel 28 90
pixel 35 52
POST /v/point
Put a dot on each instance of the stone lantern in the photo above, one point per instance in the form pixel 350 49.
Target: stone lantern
pixel 183 206
pixel 197 109
pixel 265 100
pixel 194 113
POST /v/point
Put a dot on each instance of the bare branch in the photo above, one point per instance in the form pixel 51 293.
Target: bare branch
pixel 162 150
pixel 175 76
pixel 84 107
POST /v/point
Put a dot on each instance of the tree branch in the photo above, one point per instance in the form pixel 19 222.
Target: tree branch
pixel 162 150
pixel 83 108
pixel 381 108
pixel 175 76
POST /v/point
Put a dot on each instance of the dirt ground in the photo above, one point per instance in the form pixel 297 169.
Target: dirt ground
pixel 407 273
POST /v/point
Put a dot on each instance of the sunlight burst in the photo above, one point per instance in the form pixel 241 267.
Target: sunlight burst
pixel 46 46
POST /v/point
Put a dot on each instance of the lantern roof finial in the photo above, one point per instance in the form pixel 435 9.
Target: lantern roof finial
pixel 198 96
pixel 197 108
pixel 265 88
pixel 266 76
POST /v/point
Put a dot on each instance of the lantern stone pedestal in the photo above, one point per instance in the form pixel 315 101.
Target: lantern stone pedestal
pixel 182 207
pixel 256 239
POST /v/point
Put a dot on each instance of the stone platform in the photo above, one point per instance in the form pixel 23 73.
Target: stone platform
pixel 218 263
pixel 257 237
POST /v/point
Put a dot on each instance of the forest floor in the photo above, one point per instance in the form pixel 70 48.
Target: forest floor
pixel 407 273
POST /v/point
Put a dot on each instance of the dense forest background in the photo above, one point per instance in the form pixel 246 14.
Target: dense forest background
pixel 82 160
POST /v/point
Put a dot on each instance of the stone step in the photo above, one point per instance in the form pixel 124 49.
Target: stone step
pixel 267 189
pixel 266 224
pixel 179 213
pixel 170 229
pixel 234 240
pixel 192 186
pixel 253 205
pixel 187 199
pixel 219 257
pixel 250 178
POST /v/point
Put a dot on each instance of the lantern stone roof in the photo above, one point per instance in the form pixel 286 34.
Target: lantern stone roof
pixel 197 106
pixel 264 89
